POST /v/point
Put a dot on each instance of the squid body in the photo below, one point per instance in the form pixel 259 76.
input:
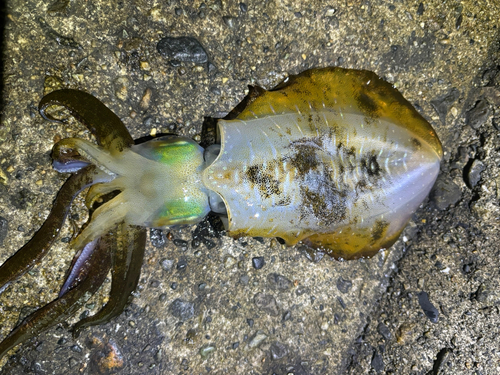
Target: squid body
pixel 335 158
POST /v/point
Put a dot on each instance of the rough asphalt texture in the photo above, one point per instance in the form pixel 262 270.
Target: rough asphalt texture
pixel 209 304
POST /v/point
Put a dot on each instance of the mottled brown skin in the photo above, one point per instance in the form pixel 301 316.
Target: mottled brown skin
pixel 339 90
pixel 342 88
pixel 338 244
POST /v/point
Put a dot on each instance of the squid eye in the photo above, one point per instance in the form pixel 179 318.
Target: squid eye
pixel 211 153
pixel 216 203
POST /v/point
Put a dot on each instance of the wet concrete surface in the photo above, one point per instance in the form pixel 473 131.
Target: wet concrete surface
pixel 207 308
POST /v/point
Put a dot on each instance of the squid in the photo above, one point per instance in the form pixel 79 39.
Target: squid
pixel 334 159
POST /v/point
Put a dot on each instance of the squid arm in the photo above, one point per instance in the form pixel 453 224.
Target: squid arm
pixel 128 250
pixel 90 111
pixel 126 267
pixel 36 248
pixel 91 277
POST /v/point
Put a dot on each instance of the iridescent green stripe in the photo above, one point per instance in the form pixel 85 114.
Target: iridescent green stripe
pixel 180 212
pixel 177 152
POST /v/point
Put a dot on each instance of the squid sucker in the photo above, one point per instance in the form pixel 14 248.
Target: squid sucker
pixel 332 158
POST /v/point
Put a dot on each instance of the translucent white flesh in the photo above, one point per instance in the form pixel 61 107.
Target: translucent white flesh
pixel 362 171
pixel 147 187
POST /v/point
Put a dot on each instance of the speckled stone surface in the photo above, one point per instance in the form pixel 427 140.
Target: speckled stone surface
pixel 208 309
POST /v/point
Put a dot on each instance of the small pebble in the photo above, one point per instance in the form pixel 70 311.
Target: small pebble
pixel 229 21
pixel 343 285
pixel 440 364
pixel 72 362
pixel 430 311
pixel 278 350
pixel 330 12
pixel 279 282
pixel 384 331
pixel 377 362
pixel 183 245
pixel 257 339
pixel 267 303
pixel 405 332
pixel 481 293
pixel 258 262
pixel 229 262
pixel 146 99
pixel 181 265
pixel 157 238
pixel 206 350
pixel 478 115
pixel 167 264
pixel 445 192
pixel 181 309
pixel 286 316
pixel 184 49
pixel 244 279
pixel 474 173
pixel 420 9
pixel 209 244
pixel 121 86
pixel 341 302
pixel 444 103
pixel 458 22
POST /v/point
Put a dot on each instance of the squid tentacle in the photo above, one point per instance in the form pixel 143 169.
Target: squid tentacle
pixel 90 111
pixel 113 136
pixel 90 272
pixel 126 268
pixel 77 269
pixel 36 248
pixel 105 218
pixel 91 277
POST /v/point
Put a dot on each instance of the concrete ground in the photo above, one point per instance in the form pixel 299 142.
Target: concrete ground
pixel 430 305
